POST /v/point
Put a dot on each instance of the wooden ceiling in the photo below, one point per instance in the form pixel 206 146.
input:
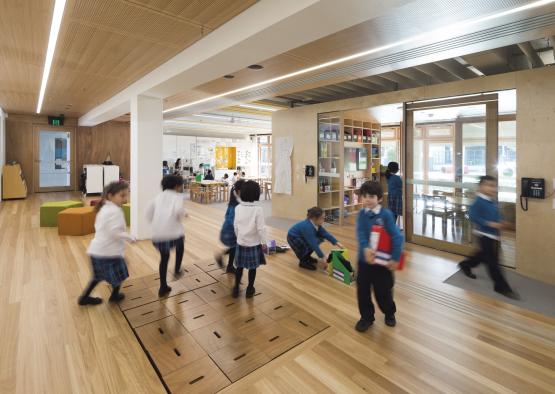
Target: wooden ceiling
pixel 103 46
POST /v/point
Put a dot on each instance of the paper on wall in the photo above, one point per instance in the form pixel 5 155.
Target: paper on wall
pixel 284 150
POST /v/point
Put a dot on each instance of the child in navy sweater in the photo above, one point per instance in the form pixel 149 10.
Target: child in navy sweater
pixel 485 216
pixel 227 233
pixel 305 237
pixel 371 274
pixel 394 190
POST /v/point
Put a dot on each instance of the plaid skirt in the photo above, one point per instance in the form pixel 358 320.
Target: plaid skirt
pixel 395 204
pixel 166 246
pixel 110 269
pixel 249 257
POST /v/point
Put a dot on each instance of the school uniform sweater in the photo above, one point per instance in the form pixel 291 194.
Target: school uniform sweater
pixel 249 224
pixel 311 235
pixel 165 214
pixel 110 232
pixel 482 211
pixel 382 217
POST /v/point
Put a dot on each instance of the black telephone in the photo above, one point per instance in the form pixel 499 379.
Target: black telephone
pixel 309 171
pixel 531 188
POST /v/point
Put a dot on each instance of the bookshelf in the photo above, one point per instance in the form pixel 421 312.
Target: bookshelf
pixel 348 155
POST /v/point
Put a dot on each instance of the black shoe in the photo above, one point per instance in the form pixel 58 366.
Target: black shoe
pixel 178 274
pixel 116 297
pixel 250 292
pixel 312 260
pixel 89 300
pixel 220 262
pixel 164 290
pixel 235 292
pixel 513 295
pixel 230 269
pixel 307 265
pixel 466 271
pixel 390 321
pixel 363 325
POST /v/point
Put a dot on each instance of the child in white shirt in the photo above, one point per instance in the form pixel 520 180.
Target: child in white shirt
pixel 165 214
pixel 251 236
pixel 108 246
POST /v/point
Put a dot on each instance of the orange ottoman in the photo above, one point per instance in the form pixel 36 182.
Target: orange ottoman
pixel 76 221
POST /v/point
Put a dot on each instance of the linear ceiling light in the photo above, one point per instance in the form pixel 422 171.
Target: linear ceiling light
pixel 259 107
pixel 54 30
pixel 434 33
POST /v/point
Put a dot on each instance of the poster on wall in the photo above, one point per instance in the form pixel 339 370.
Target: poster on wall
pixel 284 150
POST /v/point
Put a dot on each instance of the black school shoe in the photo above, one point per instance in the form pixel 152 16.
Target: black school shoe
pixel 235 292
pixel 363 325
pixel 250 292
pixel 163 291
pixel 390 321
pixel 89 300
pixel 513 295
pixel 116 297
pixel 307 265
pixel 467 271
pixel 220 261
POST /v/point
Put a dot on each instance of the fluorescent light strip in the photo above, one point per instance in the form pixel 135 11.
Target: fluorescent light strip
pixel 54 30
pixel 259 107
pixel 437 33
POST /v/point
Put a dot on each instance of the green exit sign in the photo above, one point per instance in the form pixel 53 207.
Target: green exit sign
pixel 56 120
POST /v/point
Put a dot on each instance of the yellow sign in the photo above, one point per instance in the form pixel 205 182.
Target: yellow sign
pixel 226 157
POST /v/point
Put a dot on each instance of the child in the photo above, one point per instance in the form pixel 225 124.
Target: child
pixel 394 189
pixel 107 248
pixel 234 178
pixel 225 179
pixel 369 273
pixel 251 236
pixel 165 214
pixel 227 233
pixel 305 237
pixel 209 176
pixel 485 216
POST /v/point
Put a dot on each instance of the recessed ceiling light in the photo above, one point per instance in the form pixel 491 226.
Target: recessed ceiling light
pixel 255 67
pixel 414 38
pixel 229 76
pixel 54 30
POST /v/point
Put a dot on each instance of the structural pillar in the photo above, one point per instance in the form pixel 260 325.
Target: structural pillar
pixel 146 159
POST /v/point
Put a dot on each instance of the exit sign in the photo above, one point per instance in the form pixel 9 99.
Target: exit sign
pixel 56 120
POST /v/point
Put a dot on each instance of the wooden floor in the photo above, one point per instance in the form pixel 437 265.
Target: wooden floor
pixel 446 340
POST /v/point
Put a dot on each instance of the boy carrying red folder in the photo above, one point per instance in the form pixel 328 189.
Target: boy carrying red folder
pixel 376 264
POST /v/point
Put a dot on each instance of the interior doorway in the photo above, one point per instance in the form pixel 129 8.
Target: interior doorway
pixel 54 156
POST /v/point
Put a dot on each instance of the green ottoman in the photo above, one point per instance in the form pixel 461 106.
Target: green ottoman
pixel 49 211
pixel 127 213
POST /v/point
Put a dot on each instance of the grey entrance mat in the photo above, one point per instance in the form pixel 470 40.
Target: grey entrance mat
pixel 534 295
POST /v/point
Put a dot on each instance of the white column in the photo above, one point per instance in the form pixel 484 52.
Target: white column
pixel 146 159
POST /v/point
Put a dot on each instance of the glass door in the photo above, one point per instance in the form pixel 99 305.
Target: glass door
pixel 450 142
pixel 54 160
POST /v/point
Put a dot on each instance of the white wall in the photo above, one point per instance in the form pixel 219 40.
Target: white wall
pixel 196 150
pixel 2 145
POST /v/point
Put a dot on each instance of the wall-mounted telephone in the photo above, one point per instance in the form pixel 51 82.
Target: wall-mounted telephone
pixel 531 188
pixel 309 171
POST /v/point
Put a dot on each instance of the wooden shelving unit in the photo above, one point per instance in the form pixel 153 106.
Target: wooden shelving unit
pixel 348 155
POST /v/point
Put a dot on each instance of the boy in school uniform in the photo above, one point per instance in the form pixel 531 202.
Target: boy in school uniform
pixel 371 274
pixel 485 216
pixel 305 237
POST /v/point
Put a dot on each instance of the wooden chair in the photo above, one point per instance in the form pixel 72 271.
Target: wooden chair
pixel 267 190
pixel 436 206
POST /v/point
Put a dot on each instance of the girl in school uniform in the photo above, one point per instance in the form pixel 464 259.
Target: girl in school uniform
pixel 394 190
pixel 107 248
pixel 165 214
pixel 251 236
pixel 227 233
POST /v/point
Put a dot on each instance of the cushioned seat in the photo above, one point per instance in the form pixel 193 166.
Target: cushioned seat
pixel 49 211
pixel 76 221
pixel 94 202
pixel 127 213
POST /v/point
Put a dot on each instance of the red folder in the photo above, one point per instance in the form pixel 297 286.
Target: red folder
pixel 380 241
